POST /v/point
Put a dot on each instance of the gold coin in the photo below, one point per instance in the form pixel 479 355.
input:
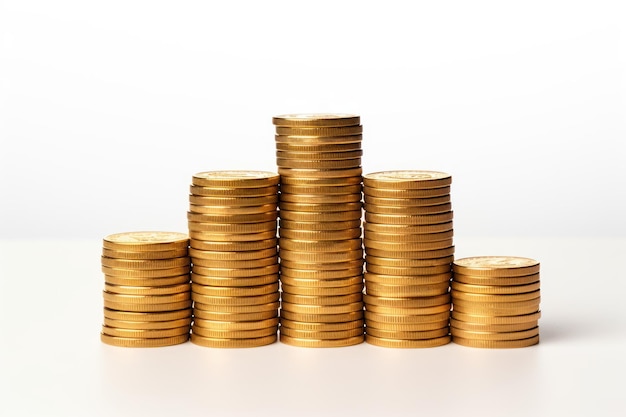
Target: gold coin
pixel 320 245
pixel 322 318
pixel 298 145
pixel 315 274
pixel 234 272
pixel 407 202
pixel 235 300
pixel 432 279
pixel 267 217
pixel 252 263
pixel 408 262
pixel 234 334
pixel 408 270
pixel 319 156
pixel 235 179
pixel 144 317
pixel 322 291
pixel 406 302
pixel 321 283
pixel 321 226
pixel 493 328
pixel 221 210
pixel 318 164
pixel 198 200
pixel 321 300
pixel 418 193
pixel 407 319
pixel 385 290
pixel 406 229
pixel 252 231
pixel 316 120
pixel 226 308
pixel 143 343
pixel 198 190
pixel 146 282
pixel 320 190
pixel 407 246
pixel 330 257
pixel 490 311
pixel 400 343
pixel 142 255
pixel 320 334
pixel 406 180
pixel 145 263
pixel 408 237
pixel 406 327
pixel 232 343
pixel 311 216
pixel 319 208
pixel 147 308
pixel 232 255
pixel 319 181
pixel 408 220
pixel 495 320
pixel 235 291
pixel 497 344
pixel 473 335
pixel 315 235
pixel 320 173
pixel 493 298
pixel 529 302
pixel 496 281
pixel 321 327
pixel 146 241
pixel 327 142
pixel 492 289
pixel 136 290
pixel 234 282
pixel 496 266
pixel 234 317
pixel 320 199
pixel 145 299
pixel 321 309
pixel 321 266
pixel 410 211
pixel 145 334
pixel 145 273
pixel 235 325
pixel 319 131
pixel 408 310
pixel 234 246
pixel 319 343
pixel 408 335
pixel 147 325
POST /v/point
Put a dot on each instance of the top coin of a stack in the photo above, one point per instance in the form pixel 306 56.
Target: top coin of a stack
pixel 242 179
pixel 407 180
pixel 146 241
pixel 316 120
pixel 496 266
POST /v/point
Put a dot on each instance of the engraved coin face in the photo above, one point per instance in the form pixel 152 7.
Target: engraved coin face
pixel 316 116
pixel 235 174
pixel 146 237
pixel 407 175
pixel 496 262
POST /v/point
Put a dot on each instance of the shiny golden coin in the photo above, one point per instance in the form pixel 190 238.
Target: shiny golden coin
pixel 320 199
pixel 408 335
pixel 406 327
pixel 147 317
pixel 316 235
pixel 491 289
pixel 316 120
pixel 432 279
pixel 235 179
pixel 315 274
pixel 497 344
pixel 406 302
pixel 319 164
pixel 320 245
pixel 319 343
pixel 198 190
pixel 319 208
pixel 319 156
pixel 136 290
pixel 319 226
pixel 491 311
pixel 496 281
pixel 144 255
pixel 405 180
pixel 322 291
pixel 145 334
pixel 147 282
pixel 400 343
pixel 408 237
pixel 325 257
pixel 234 282
pixel 473 335
pixel 320 334
pixel 418 193
pixel 319 131
pixel 234 317
pixel 147 325
pixel 232 201
pixel 321 181
pixel 413 255
pixel 410 219
pixel 494 298
pixel 530 302
pixel 320 190
pixel 496 266
pixel 408 270
pixel 252 263
pixel 313 146
pixel 227 308
pixel 145 273
pixel 252 231
pixel 251 300
pixel 147 308
pixel 311 216
pixel 234 334
pixel 235 325
pixel 143 264
pixel 321 283
pixel 232 343
pixel 321 327
pixel 321 309
pixel 146 299
pixel 235 291
pixel 408 262
pixel 407 319
pixel 321 266
pixel 400 311
pixel 146 241
pixel 234 246
pixel 407 202
pixel 232 255
pixel 493 328
pixel 491 320
pixel 407 246
pixel 406 229
pixel 327 142
pixel 320 173
pixel 269 216
pixel 321 300
pixel 221 210
pixel 322 318
pixel 234 272
pixel 410 211
pixel 143 343
pixel 385 290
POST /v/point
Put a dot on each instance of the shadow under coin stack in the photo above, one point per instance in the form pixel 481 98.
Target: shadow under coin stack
pixel 147 300
pixel 409 250
pixel 495 301
pixel 320 247
pixel 232 225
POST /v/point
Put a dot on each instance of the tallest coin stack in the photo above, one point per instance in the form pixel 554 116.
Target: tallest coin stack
pixel 320 247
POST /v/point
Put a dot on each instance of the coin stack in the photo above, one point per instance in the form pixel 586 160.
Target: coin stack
pixel 232 222
pixel 321 252
pixel 409 250
pixel 147 300
pixel 495 302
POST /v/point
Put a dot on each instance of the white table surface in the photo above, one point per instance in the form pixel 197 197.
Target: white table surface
pixel 53 363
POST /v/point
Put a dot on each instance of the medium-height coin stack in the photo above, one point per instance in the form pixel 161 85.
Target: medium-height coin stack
pixel 495 302
pixel 409 251
pixel 233 225
pixel 147 300
pixel 319 160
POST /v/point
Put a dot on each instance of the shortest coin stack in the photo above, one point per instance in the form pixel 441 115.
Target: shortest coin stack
pixel 495 302
pixel 147 293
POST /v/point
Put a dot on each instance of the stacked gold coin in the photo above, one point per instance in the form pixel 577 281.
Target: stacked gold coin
pixel 232 225
pixel 147 299
pixel 495 301
pixel 319 160
pixel 409 250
